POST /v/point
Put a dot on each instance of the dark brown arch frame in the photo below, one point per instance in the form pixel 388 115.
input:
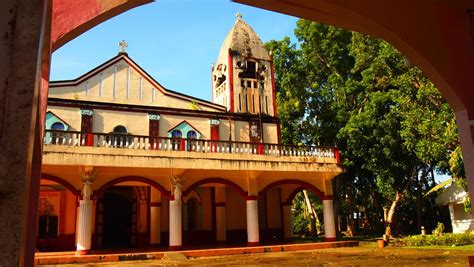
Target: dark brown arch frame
pixel 141 179
pixel 231 184
pixel 56 179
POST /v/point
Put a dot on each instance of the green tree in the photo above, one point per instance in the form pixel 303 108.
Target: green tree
pixel 337 87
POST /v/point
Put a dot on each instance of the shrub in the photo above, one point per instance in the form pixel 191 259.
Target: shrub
pixel 439 240
pixel 439 230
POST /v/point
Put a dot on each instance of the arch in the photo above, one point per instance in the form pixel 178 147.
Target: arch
pixel 233 185
pixel 176 134
pixel 293 194
pixel 120 129
pixel 302 185
pixel 191 134
pixel 132 179
pixel 192 194
pixel 58 126
pixel 56 179
pixel 82 16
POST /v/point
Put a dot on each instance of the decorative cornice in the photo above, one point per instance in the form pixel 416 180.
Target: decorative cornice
pixel 154 117
pixel 87 112
pixel 214 122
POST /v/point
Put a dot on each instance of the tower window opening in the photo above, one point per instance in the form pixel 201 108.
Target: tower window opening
pixel 250 71
pixel 246 102
pixel 242 83
pixel 254 84
pixel 253 103
pixel 266 104
pixel 240 103
pixel 249 84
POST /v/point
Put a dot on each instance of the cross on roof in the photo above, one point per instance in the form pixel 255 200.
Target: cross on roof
pixel 239 15
pixel 123 45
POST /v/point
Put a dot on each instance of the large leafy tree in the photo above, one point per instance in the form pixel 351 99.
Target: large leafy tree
pixel 337 87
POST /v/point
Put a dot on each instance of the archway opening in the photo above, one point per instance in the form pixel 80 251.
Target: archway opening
pixel 119 207
pixel 306 215
pixel 214 212
pixel 57 212
pixel 290 210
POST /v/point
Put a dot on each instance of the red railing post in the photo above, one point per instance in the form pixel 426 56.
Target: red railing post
pixel 337 155
pixel 260 149
pixel 183 144
pixel 89 139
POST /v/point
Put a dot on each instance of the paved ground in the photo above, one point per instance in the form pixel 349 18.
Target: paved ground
pixel 348 256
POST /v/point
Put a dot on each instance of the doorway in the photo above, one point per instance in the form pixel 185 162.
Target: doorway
pixel 119 216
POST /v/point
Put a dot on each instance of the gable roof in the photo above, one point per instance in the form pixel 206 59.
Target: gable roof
pixel 184 122
pixel 137 68
pixel 58 118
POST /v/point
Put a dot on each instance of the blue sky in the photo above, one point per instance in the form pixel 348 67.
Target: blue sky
pixel 175 41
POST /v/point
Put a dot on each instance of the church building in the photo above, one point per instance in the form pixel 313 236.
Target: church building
pixel 128 163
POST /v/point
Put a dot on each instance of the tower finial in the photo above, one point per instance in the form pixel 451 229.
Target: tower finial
pixel 122 45
pixel 239 15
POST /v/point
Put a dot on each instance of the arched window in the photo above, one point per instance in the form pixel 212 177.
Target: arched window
pixel 176 139
pixel 56 135
pixel 120 137
pixel 191 143
pixel 120 129
pixel 192 135
pixel 57 126
pixel 176 134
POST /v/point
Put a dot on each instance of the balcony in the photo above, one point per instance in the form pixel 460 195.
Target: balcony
pixel 139 142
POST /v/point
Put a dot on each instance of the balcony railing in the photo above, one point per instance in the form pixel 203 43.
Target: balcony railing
pixel 72 138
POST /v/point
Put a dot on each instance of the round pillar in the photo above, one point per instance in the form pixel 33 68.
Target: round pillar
pixel 175 227
pixel 84 234
pixel 329 225
pixel 253 236
pixel 287 221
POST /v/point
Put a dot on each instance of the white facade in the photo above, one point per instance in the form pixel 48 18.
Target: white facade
pixel 455 198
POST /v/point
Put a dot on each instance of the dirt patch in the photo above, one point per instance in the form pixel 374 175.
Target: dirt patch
pixel 347 256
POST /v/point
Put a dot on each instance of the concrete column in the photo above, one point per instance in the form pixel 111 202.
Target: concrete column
pixel 175 239
pixel 25 31
pixel 287 221
pixel 253 236
pixel 220 214
pixel 84 234
pixel 155 217
pixel 329 225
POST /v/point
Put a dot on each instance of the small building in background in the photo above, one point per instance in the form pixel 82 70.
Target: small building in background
pixel 455 197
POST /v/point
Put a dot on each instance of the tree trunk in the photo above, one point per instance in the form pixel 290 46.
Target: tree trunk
pixel 419 198
pixel 390 214
pixel 350 216
pixel 310 209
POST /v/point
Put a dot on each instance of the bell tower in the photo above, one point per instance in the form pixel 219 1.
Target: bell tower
pixel 243 78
